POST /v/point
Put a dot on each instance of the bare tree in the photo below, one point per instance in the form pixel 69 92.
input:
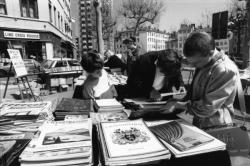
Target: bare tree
pixel 206 17
pixel 139 12
pixel 186 21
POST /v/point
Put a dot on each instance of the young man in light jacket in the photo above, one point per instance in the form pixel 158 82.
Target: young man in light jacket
pixel 214 85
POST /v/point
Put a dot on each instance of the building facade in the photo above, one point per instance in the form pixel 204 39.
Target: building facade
pixel 182 35
pixel 223 44
pixel 147 38
pixel 88 36
pixel 172 42
pixel 86 24
pixel 40 29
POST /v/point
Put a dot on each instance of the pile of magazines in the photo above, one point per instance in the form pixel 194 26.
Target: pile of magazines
pixel 130 143
pixel 60 143
pixel 18 124
pixel 109 105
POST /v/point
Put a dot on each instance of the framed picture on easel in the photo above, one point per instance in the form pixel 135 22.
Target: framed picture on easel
pixel 21 72
pixel 17 62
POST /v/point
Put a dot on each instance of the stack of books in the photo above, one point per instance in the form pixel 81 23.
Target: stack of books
pixel 186 140
pixel 130 143
pixel 60 143
pixel 69 106
pixel 109 105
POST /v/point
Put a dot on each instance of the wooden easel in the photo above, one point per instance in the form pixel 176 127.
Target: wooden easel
pixel 23 79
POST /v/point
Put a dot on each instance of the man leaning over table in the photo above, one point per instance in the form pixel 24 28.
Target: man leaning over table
pixel 154 73
pixel 214 85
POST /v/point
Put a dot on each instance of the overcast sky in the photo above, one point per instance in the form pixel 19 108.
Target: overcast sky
pixel 178 10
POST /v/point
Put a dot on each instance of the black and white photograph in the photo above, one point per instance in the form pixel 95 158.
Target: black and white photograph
pixel 125 82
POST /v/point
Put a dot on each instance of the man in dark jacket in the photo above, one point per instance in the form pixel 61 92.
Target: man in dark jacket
pixel 132 53
pixel 155 73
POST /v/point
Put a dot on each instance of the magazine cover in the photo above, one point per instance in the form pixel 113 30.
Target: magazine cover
pixel 111 116
pixel 20 109
pixel 62 134
pixel 128 138
pixel 180 136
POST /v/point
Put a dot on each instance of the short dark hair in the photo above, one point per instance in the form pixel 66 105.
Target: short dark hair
pixel 92 61
pixel 199 42
pixel 169 61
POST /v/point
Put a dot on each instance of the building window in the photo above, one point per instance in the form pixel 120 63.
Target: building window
pixel 29 8
pixel 3 7
pixel 55 15
pixel 58 21
pixel 50 13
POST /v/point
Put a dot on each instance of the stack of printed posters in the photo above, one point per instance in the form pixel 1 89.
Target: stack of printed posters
pixel 130 143
pixel 60 143
pixel 27 110
pixel 186 140
pixel 69 106
pixel 109 105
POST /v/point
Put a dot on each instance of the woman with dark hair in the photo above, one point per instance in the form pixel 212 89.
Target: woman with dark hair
pixel 97 84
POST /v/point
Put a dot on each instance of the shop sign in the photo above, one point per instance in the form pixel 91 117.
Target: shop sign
pixel 20 35
pixel 17 62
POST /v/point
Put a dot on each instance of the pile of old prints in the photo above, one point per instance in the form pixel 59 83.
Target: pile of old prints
pixel 60 143
pixel 109 105
pixel 130 143
pixel 27 110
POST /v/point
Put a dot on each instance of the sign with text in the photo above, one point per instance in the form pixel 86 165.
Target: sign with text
pixel 21 35
pixel 17 62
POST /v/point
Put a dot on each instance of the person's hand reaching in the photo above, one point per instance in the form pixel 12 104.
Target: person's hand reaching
pixel 182 89
pixel 155 95
pixel 173 106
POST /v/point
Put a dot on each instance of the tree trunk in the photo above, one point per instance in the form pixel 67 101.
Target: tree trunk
pixel 136 28
pixel 100 43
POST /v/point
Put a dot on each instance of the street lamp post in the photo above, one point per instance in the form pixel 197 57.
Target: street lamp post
pixel 100 43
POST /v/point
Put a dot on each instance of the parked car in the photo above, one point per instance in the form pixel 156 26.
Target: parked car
pixel 62 65
pixel 31 65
